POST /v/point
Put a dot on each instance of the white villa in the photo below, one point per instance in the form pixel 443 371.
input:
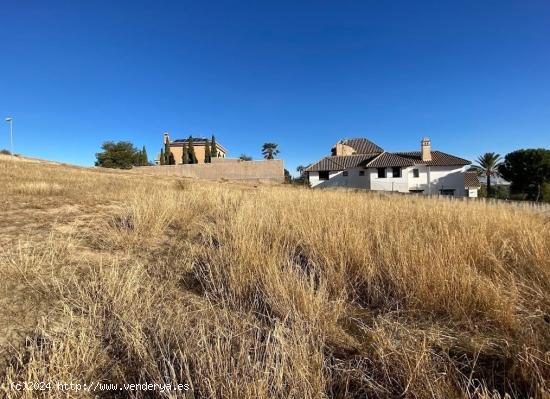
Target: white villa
pixel 359 163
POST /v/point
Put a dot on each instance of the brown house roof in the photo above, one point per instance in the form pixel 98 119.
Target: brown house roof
pixel 471 180
pixel 438 158
pixel 388 160
pixel 341 162
pixel 362 146
pixel 371 155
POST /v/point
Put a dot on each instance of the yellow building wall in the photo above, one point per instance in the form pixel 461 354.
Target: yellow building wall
pixel 199 153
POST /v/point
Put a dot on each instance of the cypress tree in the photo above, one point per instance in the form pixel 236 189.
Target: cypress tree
pixel 171 159
pixel 167 153
pixel 192 156
pixel 144 158
pixel 185 153
pixel 207 152
pixel 161 157
pixel 213 149
pixel 137 158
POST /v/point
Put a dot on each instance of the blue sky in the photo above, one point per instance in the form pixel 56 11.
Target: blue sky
pixel 474 76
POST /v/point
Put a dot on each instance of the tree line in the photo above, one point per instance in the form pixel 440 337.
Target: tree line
pixel 124 155
pixel 528 171
pixel 269 151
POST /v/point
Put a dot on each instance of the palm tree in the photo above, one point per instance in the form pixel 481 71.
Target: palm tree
pixel 300 169
pixel 270 150
pixel 487 165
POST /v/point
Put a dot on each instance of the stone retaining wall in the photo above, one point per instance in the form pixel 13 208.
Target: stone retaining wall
pixel 223 168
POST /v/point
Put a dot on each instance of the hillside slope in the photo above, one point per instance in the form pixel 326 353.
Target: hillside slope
pixel 245 291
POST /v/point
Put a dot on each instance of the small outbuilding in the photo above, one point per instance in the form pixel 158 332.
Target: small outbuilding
pixel 471 184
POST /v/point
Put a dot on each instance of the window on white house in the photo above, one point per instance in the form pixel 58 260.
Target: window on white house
pixel 323 175
pixel 361 173
pixel 381 172
pixel 416 173
pixel 447 191
pixel 396 172
pixel 345 173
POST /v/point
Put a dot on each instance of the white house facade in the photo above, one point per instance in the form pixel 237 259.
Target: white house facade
pixel 359 163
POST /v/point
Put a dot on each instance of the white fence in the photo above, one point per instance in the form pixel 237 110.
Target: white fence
pixel 543 207
pixel 528 205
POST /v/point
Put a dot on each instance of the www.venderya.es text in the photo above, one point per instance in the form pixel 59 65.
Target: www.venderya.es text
pixel 96 386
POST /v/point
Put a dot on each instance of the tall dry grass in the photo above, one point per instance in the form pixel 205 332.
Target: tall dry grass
pixel 265 292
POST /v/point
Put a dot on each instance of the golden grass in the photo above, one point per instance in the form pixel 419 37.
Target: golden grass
pixel 268 291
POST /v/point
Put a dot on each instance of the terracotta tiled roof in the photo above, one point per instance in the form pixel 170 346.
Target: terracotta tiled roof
pixel 324 164
pixel 471 180
pixel 195 140
pixel 388 160
pixel 362 146
pixel 370 155
pixel 341 162
pixel 438 158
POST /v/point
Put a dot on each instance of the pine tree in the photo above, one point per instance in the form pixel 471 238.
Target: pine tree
pixel 192 156
pixel 207 152
pixel 185 153
pixel 120 155
pixel 161 157
pixel 144 158
pixel 213 149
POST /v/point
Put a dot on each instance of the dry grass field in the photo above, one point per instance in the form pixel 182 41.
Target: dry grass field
pixel 246 291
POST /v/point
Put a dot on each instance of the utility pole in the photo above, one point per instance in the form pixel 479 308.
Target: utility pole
pixel 10 121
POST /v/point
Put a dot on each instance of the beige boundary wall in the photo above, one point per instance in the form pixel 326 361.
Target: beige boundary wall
pixel 223 168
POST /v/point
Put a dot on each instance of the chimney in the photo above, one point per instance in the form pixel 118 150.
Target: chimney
pixel 342 149
pixel 166 138
pixel 426 149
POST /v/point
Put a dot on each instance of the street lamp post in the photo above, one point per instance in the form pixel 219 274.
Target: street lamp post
pixel 10 121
